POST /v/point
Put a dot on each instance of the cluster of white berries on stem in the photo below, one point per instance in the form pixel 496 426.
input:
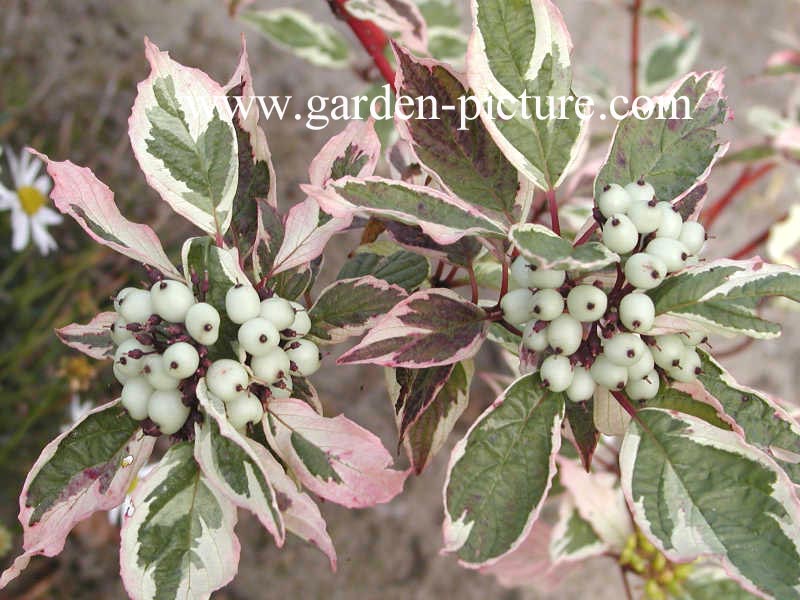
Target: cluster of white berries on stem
pixel 162 339
pixel 588 336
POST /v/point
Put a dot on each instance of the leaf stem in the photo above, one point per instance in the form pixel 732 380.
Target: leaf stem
pixel 636 14
pixel 624 402
pixel 473 283
pixel 586 235
pixel 626 584
pixel 372 38
pixel 553 206
pixel 751 246
pixel 503 281
pixel 746 178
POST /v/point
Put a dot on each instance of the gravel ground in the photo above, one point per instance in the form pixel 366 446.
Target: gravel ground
pixel 79 62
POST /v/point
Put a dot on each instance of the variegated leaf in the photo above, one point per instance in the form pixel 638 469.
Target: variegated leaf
pixel 178 540
pixel 429 432
pixel 783 62
pixel 444 218
pixel 500 472
pixel 182 134
pixel 231 466
pixel 93 339
pixel 411 391
pixel 669 58
pixel 762 422
pixel 399 18
pixel 673 154
pixel 599 501
pixel 304 237
pixel 333 457
pixel 300 513
pixel 523 48
pixel 695 489
pixel 542 247
pixel 584 434
pixel 461 253
pixel 573 538
pixel 718 296
pixel 79 194
pixel 348 307
pixel 460 153
pixel 86 469
pixel 709 581
pixel 429 328
pixel 297 32
pixel 355 152
pixel 400 267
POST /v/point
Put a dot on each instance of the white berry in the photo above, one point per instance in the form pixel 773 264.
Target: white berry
pixel 565 334
pixel 202 323
pixel 226 378
pixel 637 312
pixel 672 252
pixel 556 373
pixel 258 336
pixel 301 324
pixel 242 303
pixel 646 216
pixel 643 366
pixel 128 364
pixel 136 306
pixel 535 341
pixel 120 297
pixel 270 367
pixel 587 303
pixel 171 300
pixel 517 306
pixel 528 275
pixel 613 199
pixel 278 311
pixel 693 236
pixel 671 222
pixel 305 355
pixel 120 374
pixel 640 191
pixel 282 389
pixel 181 360
pixel 645 271
pixel 119 331
pixel 582 386
pixel 644 388
pixel 243 409
pixel 668 350
pixel 624 349
pixel 608 374
pixel 157 373
pixel 619 234
pixel 693 338
pixel 688 368
pixel 135 395
pixel 167 410
pixel 547 304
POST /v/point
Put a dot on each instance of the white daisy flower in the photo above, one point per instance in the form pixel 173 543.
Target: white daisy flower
pixel 30 217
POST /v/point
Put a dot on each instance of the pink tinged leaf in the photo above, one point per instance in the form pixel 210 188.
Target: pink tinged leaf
pixel 300 513
pixel 79 194
pixel 399 17
pixel 333 457
pixel 304 239
pixel 529 564
pixel 48 519
pixel 355 152
pixel 599 501
pixel 783 62
pixel 93 339
pixel 443 217
pixel 429 328
pixel 215 455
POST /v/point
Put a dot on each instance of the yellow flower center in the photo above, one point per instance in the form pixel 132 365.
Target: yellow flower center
pixel 31 199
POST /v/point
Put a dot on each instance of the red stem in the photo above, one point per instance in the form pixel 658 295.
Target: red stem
pixel 587 234
pixel 624 402
pixel 372 38
pixel 636 13
pixel 751 246
pixel 748 177
pixel 553 206
pixel 473 283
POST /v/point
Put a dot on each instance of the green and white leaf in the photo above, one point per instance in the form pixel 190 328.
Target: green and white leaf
pixel 523 47
pixel 393 265
pixel 573 538
pixel 542 247
pixel 669 58
pixel 232 467
pixel 500 472
pixel 297 32
pixel 182 134
pixel 696 490
pixel 179 541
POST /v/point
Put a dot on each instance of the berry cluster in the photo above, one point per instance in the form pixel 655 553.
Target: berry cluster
pixel 162 338
pixel 589 336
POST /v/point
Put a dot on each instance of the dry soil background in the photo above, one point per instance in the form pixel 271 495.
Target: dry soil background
pixel 80 61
